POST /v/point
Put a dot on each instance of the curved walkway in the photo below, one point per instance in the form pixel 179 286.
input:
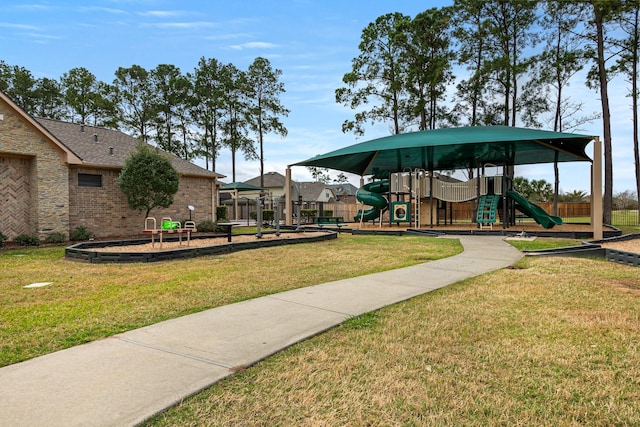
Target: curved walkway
pixel 127 378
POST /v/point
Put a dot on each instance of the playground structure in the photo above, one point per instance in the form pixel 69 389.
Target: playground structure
pixel 415 198
pixel 415 156
pixel 167 226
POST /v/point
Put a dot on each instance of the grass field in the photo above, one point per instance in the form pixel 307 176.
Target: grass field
pixel 87 302
pixel 551 342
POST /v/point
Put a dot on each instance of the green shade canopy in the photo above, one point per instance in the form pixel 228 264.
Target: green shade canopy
pixel 239 186
pixel 454 148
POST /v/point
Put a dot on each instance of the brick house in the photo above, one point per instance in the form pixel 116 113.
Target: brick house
pixel 56 176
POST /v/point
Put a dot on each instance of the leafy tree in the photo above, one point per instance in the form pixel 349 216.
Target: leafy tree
pixel 81 93
pixel 428 59
pixel 509 34
pixel 22 88
pixel 319 174
pixel 470 29
pixel 574 196
pixel 603 12
pixel 266 106
pixel 535 190
pixel 541 190
pixel 170 104
pixel 5 76
pixel 135 100
pixel 236 120
pixel 563 56
pixel 104 106
pixel 627 64
pixel 148 180
pixel 341 178
pixel 522 186
pixel 49 100
pixel 207 111
pixel 626 200
pixel 378 75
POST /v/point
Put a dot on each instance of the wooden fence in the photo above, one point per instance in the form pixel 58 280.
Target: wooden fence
pixel 462 212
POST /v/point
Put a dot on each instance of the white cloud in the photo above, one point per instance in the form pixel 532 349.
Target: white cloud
pixel 254 45
pixel 163 13
pixel 19 26
pixel 195 25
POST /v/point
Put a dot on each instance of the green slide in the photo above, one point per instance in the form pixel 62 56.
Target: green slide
pixel 534 211
pixel 371 194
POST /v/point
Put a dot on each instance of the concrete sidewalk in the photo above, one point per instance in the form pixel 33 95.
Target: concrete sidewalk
pixel 127 378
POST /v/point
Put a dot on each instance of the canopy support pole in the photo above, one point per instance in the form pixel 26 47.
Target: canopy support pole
pixel 288 220
pixel 596 190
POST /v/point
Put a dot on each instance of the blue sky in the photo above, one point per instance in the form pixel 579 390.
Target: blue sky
pixel 311 41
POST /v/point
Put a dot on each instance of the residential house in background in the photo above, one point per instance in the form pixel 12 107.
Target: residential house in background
pixel 345 192
pixel 56 176
pixel 315 193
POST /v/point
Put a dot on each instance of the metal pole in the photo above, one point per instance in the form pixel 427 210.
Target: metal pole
pixel 276 202
pixel 259 218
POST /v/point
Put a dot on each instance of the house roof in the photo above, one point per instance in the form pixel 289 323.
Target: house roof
pixel 108 148
pixel 271 180
pixel 311 191
pixel 344 188
pixel 71 158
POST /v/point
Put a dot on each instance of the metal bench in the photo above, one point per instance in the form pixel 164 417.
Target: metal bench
pixel 338 221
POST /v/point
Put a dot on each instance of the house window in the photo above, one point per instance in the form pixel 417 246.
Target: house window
pixel 89 180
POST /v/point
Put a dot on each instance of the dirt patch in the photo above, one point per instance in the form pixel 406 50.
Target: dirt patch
pixel 625 246
pixel 194 243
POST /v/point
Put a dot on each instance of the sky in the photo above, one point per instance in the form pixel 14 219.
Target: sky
pixel 312 41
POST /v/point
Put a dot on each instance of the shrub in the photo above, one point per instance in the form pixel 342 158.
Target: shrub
pixel 27 240
pixel 268 215
pixel 55 237
pixel 81 233
pixel 2 239
pixel 308 213
pixel 221 213
pixel 206 226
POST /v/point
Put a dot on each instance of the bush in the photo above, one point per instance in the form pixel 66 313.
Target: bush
pixel 206 226
pixel 308 213
pixel 81 233
pixel 55 238
pixel 2 239
pixel 268 215
pixel 221 214
pixel 27 240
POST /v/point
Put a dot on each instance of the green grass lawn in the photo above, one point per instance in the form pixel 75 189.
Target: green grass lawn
pixel 87 302
pixel 552 342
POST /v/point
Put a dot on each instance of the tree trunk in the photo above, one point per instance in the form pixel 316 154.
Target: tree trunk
pixel 634 103
pixel 607 199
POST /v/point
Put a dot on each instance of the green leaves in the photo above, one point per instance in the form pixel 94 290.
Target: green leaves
pixel 148 180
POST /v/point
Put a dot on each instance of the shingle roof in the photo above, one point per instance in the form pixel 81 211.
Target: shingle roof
pixel 108 148
pixel 344 188
pixel 311 191
pixel 271 180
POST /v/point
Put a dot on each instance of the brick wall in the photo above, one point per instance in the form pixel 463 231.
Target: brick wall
pixel 105 212
pixel 47 185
